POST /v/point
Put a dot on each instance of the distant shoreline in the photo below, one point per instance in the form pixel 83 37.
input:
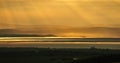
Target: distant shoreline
pixel 58 39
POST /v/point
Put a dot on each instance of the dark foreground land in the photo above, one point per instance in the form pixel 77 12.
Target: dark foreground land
pixel 52 55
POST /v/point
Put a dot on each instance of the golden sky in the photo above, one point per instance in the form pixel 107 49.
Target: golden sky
pixel 76 13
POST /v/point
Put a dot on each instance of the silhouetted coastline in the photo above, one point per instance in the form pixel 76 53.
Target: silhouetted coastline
pixel 52 55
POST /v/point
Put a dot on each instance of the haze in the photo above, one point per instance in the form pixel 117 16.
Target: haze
pixel 64 18
pixel 76 13
pixel 61 17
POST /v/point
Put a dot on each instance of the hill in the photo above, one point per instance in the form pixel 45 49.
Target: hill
pixel 64 31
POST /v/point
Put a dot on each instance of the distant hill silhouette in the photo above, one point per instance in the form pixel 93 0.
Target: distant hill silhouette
pixel 7 31
pixel 18 33
pixel 54 30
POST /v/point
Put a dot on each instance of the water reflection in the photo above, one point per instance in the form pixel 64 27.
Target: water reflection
pixel 104 45
pixel 42 43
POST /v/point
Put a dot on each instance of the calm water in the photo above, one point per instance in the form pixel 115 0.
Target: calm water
pixel 37 42
pixel 57 45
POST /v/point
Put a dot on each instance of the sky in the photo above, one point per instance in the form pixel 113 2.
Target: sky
pixel 62 17
pixel 75 13
pixel 58 15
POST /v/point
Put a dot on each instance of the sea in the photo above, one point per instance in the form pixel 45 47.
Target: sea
pixel 60 42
